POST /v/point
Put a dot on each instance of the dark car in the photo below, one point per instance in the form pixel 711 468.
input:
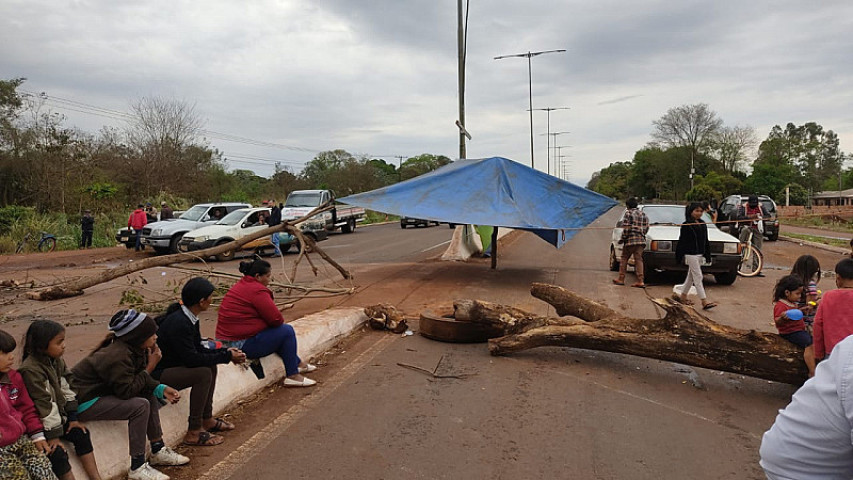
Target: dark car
pixel 728 212
pixel 406 221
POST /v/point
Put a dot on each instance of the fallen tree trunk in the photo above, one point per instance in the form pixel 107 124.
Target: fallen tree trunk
pixel 683 335
pixel 77 287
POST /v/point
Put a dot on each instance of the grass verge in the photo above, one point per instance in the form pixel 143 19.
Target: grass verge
pixel 817 239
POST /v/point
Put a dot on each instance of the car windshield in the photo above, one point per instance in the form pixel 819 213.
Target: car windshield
pixel 234 217
pixel 768 206
pixel 303 200
pixel 194 213
pixel 670 215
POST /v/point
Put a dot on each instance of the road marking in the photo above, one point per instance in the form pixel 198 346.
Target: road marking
pixel 434 246
pixel 231 464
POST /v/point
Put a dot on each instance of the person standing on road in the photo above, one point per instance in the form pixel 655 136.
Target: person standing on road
pixel 635 225
pixel 751 216
pixel 250 320
pixel 136 222
pixel 834 318
pixel 693 247
pixel 188 364
pixel 166 213
pixel 273 220
pixel 87 226
pixel 810 438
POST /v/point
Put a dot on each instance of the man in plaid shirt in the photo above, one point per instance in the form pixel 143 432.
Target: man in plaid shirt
pixel 635 224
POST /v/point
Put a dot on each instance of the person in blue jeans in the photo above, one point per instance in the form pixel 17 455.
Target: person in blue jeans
pixel 250 320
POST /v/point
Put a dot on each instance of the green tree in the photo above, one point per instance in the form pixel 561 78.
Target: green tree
pixel 319 170
pixel 612 181
pixel 811 151
pixel 797 195
pixel 702 192
pixel 694 127
pixel 421 164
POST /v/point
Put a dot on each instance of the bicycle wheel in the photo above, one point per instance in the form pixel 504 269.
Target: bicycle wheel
pixel 47 245
pixel 20 247
pixel 751 262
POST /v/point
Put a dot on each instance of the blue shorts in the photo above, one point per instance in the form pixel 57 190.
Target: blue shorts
pixel 801 339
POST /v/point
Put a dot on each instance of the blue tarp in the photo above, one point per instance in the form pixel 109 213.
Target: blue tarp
pixel 491 191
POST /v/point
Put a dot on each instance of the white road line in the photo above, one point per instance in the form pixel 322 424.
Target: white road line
pixel 230 465
pixel 434 246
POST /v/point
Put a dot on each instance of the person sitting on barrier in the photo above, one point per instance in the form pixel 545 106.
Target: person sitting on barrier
pixel 114 383
pixel 48 383
pixel 250 320
pixel 834 318
pixel 789 319
pixel 186 363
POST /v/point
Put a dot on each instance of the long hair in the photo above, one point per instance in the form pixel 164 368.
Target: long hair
pixel 807 268
pixel 787 283
pixel 38 336
pixel 688 218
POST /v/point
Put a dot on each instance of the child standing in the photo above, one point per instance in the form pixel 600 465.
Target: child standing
pixel 787 293
pixel 834 319
pixel 807 268
pixel 21 457
pixel 47 380
pixel 114 383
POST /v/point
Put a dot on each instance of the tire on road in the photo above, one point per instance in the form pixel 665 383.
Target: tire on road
pixel 173 243
pixel 614 262
pixel 725 278
pixel 224 257
pixel 349 227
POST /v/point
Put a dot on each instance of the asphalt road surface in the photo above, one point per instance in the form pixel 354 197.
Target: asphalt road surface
pixel 545 413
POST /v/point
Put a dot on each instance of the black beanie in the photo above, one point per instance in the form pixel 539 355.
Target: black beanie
pixel 133 327
pixel 196 290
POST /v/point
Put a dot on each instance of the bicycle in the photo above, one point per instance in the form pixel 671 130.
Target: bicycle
pixel 47 243
pixel 751 258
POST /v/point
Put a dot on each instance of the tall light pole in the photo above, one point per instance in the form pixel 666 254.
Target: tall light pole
pixel 554 134
pixel 462 41
pixel 530 55
pixel 548 140
pixel 558 148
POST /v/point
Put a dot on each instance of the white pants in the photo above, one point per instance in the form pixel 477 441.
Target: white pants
pixel 694 275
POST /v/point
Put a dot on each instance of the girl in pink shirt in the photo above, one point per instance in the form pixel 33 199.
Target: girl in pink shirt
pixel 834 319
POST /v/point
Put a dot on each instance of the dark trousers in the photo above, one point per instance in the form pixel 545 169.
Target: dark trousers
pixel 280 340
pixel 142 415
pixel 86 239
pixel 201 381
pixel 139 245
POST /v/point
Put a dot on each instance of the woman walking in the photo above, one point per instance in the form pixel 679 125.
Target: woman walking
pixel 693 247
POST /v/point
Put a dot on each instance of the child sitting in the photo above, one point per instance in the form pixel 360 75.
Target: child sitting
pixel 48 383
pixel 787 293
pixel 21 457
pixel 834 318
pixel 807 268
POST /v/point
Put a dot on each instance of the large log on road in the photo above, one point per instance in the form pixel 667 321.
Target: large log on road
pixel 682 335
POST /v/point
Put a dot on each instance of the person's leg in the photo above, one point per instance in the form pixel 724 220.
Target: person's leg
pixel 280 340
pixel 11 464
pixel 638 265
pixel 688 282
pixel 35 462
pixel 623 265
pixel 83 449
pixel 808 357
pixel 135 410
pixel 695 274
pixel 138 240
pixel 59 463
pixel 198 380
pixel 757 239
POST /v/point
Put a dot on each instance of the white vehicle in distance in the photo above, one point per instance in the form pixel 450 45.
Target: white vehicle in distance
pixel 662 238
pixel 300 202
pixel 165 235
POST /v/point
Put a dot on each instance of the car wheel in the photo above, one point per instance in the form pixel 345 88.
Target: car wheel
pixel 773 237
pixel 224 257
pixel 451 225
pixel 173 243
pixel 725 278
pixel 614 262
pixel 402 225
pixel 349 227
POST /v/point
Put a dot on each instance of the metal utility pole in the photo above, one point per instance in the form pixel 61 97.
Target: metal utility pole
pixel 528 56
pixel 462 42
pixel 554 134
pixel 548 140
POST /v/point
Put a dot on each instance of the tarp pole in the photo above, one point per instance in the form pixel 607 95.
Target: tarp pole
pixel 494 248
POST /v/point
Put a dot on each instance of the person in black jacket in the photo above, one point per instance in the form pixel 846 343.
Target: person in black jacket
pixel 693 246
pixel 273 220
pixel 186 363
pixel 87 225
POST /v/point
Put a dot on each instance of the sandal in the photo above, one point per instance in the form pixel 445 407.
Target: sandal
pixel 221 426
pixel 709 306
pixel 206 439
pixel 616 281
pixel 639 285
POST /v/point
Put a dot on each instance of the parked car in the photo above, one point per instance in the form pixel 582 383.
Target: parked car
pixel 165 235
pixel 127 238
pixel 239 224
pixel 300 202
pixel 662 239
pixel 728 212
pixel 406 221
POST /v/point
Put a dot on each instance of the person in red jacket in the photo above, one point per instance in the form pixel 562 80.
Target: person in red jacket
pixel 250 320
pixel 137 220
pixel 21 457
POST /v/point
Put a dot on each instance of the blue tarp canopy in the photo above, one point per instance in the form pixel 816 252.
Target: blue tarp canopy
pixel 491 191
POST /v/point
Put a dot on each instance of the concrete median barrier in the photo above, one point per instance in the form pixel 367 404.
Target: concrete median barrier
pixel 315 333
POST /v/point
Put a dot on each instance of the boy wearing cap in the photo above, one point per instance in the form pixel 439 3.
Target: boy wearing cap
pixel 114 383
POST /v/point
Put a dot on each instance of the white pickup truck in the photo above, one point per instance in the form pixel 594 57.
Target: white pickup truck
pixel 165 235
pixel 300 202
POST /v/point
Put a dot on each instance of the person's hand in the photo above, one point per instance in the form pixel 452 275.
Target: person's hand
pixel 43 447
pixel 154 355
pixel 237 355
pixel 172 395
pixel 54 443
pixel 75 424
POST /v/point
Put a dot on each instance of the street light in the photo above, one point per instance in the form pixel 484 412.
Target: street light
pixel 555 143
pixel 530 55
pixel 548 148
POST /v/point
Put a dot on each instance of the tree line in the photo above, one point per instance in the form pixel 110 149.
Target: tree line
pixel 802 159
pixel 161 154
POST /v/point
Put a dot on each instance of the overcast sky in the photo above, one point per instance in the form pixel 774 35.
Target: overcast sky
pixel 379 77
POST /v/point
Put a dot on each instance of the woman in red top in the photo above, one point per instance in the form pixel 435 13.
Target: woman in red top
pixel 787 293
pixel 250 320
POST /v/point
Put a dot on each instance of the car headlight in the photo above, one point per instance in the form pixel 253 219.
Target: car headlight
pixel 730 247
pixel 202 238
pixel 156 232
pixel 661 246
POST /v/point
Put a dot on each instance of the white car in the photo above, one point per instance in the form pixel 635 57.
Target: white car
pixel 234 226
pixel 662 239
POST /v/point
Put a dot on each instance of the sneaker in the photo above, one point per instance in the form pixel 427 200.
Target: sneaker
pixel 146 472
pixel 305 382
pixel 167 456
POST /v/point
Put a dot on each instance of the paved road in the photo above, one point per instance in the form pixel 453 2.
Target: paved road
pixel 547 413
pixel 387 243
